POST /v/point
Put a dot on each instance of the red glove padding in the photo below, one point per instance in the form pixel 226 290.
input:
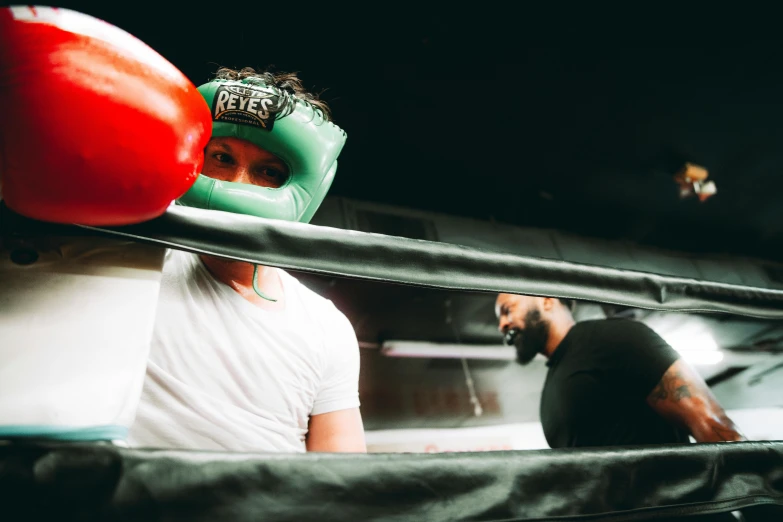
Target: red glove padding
pixel 96 128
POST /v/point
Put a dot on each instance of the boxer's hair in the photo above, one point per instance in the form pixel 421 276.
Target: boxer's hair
pixel 285 81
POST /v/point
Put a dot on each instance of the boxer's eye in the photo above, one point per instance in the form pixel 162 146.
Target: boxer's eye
pixel 270 177
pixel 222 157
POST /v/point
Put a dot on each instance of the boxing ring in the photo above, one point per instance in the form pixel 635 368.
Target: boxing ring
pixel 44 481
pixel 84 482
pixel 391 259
pixel 49 480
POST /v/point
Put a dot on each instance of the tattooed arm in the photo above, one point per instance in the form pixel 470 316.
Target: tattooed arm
pixel 684 398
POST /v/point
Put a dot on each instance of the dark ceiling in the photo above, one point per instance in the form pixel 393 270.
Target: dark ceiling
pixel 448 113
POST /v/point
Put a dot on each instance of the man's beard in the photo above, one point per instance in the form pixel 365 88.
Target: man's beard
pixel 531 340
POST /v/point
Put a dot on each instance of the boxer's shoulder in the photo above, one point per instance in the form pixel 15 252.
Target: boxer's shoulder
pixel 319 306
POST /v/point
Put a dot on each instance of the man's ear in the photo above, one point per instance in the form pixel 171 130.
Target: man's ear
pixel 547 303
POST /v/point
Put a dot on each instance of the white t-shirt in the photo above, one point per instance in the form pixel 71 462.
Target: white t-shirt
pixel 224 374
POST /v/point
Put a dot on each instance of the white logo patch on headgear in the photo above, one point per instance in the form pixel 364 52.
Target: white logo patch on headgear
pixel 246 105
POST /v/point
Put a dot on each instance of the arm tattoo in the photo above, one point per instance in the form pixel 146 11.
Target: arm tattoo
pixel 672 386
pixel 682 397
pixel 658 393
pixel 682 392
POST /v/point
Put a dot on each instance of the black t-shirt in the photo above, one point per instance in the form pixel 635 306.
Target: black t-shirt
pixel 597 385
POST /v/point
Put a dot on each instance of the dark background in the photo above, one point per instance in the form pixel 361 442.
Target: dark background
pixel 518 116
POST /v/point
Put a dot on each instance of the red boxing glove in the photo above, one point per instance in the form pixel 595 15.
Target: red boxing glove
pixel 97 128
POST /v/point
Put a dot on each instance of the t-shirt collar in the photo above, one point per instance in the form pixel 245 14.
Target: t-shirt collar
pixel 560 350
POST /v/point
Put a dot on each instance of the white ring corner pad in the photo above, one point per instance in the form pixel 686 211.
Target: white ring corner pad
pixel 75 332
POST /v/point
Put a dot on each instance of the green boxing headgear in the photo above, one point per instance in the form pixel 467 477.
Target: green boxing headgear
pixel 278 122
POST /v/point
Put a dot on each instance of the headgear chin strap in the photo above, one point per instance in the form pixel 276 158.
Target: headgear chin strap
pixel 283 125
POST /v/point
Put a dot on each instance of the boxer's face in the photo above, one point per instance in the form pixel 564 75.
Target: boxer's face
pixel 237 160
pixel 511 311
pixel 522 314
